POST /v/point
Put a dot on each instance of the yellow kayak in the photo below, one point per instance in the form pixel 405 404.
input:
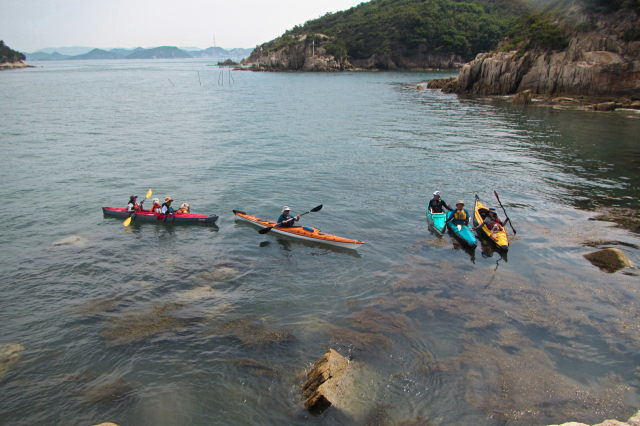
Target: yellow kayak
pixel 497 234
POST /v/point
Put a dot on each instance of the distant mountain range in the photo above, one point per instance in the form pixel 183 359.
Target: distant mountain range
pixel 162 52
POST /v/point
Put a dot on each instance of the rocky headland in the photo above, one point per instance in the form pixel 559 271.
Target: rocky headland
pixel 575 55
pixel 11 59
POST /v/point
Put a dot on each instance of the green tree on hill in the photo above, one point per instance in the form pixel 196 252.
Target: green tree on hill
pixel 9 55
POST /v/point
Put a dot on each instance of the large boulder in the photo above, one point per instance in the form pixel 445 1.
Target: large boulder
pixel 609 259
pixel 327 382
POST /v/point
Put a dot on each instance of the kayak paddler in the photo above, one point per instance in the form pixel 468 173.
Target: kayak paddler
pixel 285 220
pixel 133 205
pixel 155 206
pixel 460 215
pixel 436 204
pixel 184 208
pixel 166 206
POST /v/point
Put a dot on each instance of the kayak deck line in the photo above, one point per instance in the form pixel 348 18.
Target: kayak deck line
pixel 300 232
pixel 151 217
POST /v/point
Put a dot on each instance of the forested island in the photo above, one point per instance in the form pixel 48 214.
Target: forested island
pixel 9 58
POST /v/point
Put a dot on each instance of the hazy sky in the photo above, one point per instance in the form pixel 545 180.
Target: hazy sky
pixel 29 25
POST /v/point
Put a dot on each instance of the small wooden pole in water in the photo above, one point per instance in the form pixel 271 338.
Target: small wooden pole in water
pixel 199 81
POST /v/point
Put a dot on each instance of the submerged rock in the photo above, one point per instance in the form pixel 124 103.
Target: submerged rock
pixel 633 421
pixel 220 274
pixel 250 330
pixel 105 391
pixel 9 355
pixel 609 259
pixel 254 367
pixel 328 382
pixel 138 324
pixel 71 241
pixel 194 294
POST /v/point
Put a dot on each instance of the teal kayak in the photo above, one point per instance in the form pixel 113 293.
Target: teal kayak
pixel 437 221
pixel 462 232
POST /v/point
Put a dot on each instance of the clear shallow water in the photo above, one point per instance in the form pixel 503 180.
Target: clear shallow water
pixel 197 325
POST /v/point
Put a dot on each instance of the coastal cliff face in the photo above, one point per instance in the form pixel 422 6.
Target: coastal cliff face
pixel 603 62
pixel 316 53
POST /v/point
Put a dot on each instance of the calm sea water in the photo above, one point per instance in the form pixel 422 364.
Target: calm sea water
pixel 214 325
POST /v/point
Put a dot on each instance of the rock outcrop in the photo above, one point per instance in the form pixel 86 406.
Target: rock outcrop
pixel 633 421
pixel 609 259
pixel 603 63
pixel 326 382
pixel 299 53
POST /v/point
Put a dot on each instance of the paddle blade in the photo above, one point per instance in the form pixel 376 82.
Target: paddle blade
pixel 264 230
pixel 127 221
pixel 149 193
pixel 316 208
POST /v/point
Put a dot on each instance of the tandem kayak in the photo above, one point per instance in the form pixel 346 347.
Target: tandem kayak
pixel 300 232
pixel 150 217
pixel 437 221
pixel 461 232
pixel 497 235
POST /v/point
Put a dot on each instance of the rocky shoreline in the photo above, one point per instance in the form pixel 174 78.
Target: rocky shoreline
pixel 14 65
pixel 528 97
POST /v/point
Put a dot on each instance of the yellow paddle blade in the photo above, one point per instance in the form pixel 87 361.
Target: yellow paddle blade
pixel 149 193
pixel 127 221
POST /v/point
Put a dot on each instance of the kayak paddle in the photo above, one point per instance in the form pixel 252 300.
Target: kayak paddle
pixel 505 213
pixel 127 221
pixel 265 230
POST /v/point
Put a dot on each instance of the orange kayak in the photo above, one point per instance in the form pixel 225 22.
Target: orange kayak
pixel 301 232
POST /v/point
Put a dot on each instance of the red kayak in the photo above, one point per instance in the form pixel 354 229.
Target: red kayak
pixel 150 217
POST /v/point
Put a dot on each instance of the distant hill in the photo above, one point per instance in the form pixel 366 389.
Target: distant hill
pixel 43 56
pixel 211 52
pixel 162 52
pixel 67 51
pixel 98 54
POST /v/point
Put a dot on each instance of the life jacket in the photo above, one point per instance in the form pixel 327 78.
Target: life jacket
pixel 182 210
pixel 135 207
pixel 155 208
pixel 460 215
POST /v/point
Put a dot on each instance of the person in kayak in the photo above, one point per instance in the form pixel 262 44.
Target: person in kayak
pixel 436 204
pixel 166 206
pixel 184 208
pixel 460 215
pixel 285 220
pixel 133 205
pixel 155 207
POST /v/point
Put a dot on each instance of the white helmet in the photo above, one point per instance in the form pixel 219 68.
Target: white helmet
pixel 436 193
pixel 184 205
pixel 156 201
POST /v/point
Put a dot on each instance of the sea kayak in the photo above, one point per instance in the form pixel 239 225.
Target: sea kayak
pixel 461 232
pixel 300 232
pixel 497 235
pixel 150 217
pixel 437 221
